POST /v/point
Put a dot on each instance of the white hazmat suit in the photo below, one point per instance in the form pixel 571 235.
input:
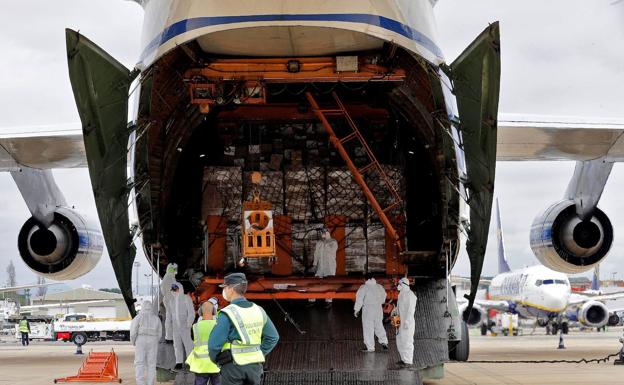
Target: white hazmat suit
pixel 406 305
pixel 145 332
pixel 165 289
pixel 183 316
pixel 370 298
pixel 325 256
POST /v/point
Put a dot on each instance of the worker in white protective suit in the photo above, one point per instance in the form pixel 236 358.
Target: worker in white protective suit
pixel 145 332
pixel 165 289
pixel 406 305
pixel 370 298
pixel 325 255
pixel 324 263
pixel 183 316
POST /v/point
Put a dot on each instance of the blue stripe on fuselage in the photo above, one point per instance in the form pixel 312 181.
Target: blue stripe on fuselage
pixel 184 26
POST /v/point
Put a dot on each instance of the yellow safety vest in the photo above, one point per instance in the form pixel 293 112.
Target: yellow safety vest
pixel 199 359
pixel 249 323
pixel 23 326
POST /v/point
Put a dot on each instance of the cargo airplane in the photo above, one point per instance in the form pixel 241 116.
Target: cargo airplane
pixel 292 116
pixel 537 292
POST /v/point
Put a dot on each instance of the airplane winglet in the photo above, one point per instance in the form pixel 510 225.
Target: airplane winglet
pixel 503 266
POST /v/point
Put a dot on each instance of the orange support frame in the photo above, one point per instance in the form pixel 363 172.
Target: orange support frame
pixel 217 230
pixel 294 70
pixel 283 236
pixel 336 226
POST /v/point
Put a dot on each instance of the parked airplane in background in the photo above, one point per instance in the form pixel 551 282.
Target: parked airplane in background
pixel 540 293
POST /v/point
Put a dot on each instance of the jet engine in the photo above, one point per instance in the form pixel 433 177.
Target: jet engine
pixel 563 242
pixel 476 315
pixel 69 248
pixel 614 320
pixel 594 314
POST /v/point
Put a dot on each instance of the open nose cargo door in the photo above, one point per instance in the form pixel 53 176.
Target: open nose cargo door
pixel 476 82
pixel 101 85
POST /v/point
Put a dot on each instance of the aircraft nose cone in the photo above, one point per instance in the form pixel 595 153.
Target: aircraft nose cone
pixel 556 301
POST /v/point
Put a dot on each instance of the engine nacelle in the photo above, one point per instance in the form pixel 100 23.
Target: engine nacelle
pixel 68 249
pixel 563 242
pixel 614 320
pixel 476 315
pixel 594 314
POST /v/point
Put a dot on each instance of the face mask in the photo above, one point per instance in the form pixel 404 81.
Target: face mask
pixel 225 295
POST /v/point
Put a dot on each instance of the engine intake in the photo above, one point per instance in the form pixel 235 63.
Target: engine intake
pixel 68 249
pixel 563 242
pixel 593 314
pixel 474 317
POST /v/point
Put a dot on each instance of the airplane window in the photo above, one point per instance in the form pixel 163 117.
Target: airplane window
pixel 549 281
pixel 560 281
pixel 538 282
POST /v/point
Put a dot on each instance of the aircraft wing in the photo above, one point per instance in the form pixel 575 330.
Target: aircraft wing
pixel 487 303
pixel 520 137
pixel 579 298
pixel 42 147
pixel 526 137
pixel 16 288
pixel 492 304
pixel 29 308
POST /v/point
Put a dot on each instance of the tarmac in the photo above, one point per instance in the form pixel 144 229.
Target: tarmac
pixel 42 362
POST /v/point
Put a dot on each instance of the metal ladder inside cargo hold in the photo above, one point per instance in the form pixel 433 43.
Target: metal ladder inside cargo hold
pixel 357 173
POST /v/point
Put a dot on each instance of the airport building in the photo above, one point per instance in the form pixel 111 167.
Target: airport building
pixel 112 305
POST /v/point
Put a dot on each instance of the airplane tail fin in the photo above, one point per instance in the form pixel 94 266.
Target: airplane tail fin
pixel 503 266
pixel 596 279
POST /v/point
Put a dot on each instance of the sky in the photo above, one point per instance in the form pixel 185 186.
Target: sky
pixel 560 58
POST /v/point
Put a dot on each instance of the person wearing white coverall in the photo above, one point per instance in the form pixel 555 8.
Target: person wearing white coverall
pixel 406 305
pixel 369 298
pixel 325 260
pixel 145 332
pixel 165 289
pixel 183 316
pixel 325 255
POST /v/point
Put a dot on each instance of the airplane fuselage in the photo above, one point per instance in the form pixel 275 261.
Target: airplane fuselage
pixel 534 291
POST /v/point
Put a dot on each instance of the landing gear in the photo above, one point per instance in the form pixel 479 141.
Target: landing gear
pixel 461 350
pixel 565 328
pixel 484 329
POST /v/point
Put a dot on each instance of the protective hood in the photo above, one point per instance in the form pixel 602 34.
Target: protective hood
pixel 146 307
pixel 371 282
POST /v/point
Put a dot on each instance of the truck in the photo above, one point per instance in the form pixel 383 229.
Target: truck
pixel 80 328
pixel 41 327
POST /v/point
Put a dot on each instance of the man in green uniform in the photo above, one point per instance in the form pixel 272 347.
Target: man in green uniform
pixel 24 328
pixel 243 336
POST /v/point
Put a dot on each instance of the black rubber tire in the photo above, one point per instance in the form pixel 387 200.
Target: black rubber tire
pixel 555 329
pixel 484 329
pixel 462 350
pixel 79 338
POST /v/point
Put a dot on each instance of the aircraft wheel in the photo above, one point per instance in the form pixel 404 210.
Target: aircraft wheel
pixel 484 329
pixel 462 348
pixel 565 328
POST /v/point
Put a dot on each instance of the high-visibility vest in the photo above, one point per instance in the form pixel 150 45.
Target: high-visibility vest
pixel 248 322
pixel 199 359
pixel 23 326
